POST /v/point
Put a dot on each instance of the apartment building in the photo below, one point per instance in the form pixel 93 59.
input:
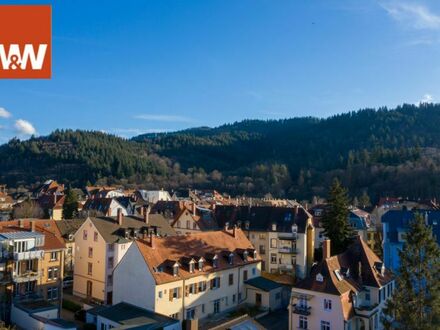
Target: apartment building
pixel 189 277
pixel 101 242
pixel 343 292
pixel 31 262
pixel 283 236
pixel 193 219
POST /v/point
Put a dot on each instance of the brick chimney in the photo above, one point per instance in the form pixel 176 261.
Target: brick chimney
pixel 146 212
pixel 326 252
pixel 119 216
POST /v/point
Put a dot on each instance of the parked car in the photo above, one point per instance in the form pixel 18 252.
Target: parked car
pixel 68 282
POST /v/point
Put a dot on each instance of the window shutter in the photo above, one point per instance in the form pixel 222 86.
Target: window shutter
pixel 171 294
pixel 180 293
pixel 186 290
pixel 212 283
pixel 218 281
pixel 196 288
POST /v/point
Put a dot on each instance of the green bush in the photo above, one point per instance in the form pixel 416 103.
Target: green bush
pixel 71 306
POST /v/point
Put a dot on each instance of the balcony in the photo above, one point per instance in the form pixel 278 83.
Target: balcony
pixel 27 255
pixel 301 309
pixel 26 276
pixel 288 236
pixel 287 250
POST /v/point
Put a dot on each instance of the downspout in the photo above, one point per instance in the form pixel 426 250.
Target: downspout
pixel 183 300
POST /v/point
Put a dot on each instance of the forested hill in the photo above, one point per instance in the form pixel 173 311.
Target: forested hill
pixel 382 152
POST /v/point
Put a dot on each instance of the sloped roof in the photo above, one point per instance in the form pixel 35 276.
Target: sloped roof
pixel 359 259
pixel 110 230
pixel 195 245
pixel 98 204
pixel 69 227
pixel 53 201
pixel 52 240
pixel 263 283
pixel 261 218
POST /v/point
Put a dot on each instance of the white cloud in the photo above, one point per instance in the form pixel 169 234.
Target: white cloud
pixel 165 118
pixel 23 127
pixel 427 98
pixel 4 113
pixel 413 15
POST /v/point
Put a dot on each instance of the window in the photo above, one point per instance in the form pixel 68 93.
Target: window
pixel 90 252
pixel 233 298
pixel 89 268
pixel 85 235
pixel 52 293
pixel 278 296
pixel 110 262
pixel 52 273
pixel 245 275
pixel 194 226
pixel 202 286
pixel 191 267
pixel 367 295
pixel 178 224
pixel 190 313
pixel 95 236
pixel 200 265
pixel 215 283
pixel 53 256
pixel 273 258
pixel 174 293
pixel 188 224
pixel 110 279
pixel 49 273
pixel 327 304
pixel 231 279
pixel 175 270
pixel 261 236
pixel 254 271
pixel 274 227
pixel 231 259
pixel 273 243
pixel 325 325
pixel 175 316
pixel 303 324
pixel 215 263
pixel 262 249
pixel 217 306
pixel 160 294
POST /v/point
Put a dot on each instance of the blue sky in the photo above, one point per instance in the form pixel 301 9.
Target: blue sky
pixel 129 67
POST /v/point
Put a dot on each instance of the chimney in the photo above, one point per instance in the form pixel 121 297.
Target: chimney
pixel 119 217
pixel 296 210
pixel 194 208
pixel 146 212
pixel 142 210
pixel 326 252
pixel 152 240
pixel 33 226
pixel 21 223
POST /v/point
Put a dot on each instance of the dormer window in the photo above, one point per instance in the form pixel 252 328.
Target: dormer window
pixel 191 267
pixel 200 265
pixel 231 259
pixel 274 227
pixel 246 225
pixel 255 254
pixel 294 228
pixel 175 269
pixel 319 277
pixel 245 255
pixel 215 262
pixel 238 223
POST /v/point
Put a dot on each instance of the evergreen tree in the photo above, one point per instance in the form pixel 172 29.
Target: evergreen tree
pixel 415 304
pixel 335 220
pixel 70 207
pixel 364 200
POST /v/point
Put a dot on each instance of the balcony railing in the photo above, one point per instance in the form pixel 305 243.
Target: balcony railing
pixel 26 255
pixel 26 276
pixel 287 250
pixel 301 309
pixel 288 236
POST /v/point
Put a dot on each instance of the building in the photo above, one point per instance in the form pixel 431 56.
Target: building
pixel 106 207
pixel 188 277
pixel 32 258
pixel 100 243
pixel 127 316
pixel 52 205
pixel 347 291
pixel 395 224
pixel 152 196
pixel 6 204
pixel 283 236
pixel 193 219
pixel 67 229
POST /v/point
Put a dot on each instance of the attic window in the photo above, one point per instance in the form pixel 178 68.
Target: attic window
pixel 294 228
pixel 255 254
pixel 246 225
pixel 245 255
pixel 175 269
pixel 239 223
pixel 200 265
pixel 319 277
pixel 231 259
pixel 215 262
pixel 191 267
pixel 274 227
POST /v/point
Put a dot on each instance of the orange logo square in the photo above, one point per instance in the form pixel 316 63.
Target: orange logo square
pixel 25 41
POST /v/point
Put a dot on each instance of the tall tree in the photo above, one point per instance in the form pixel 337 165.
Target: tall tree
pixel 335 221
pixel 70 207
pixel 415 305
